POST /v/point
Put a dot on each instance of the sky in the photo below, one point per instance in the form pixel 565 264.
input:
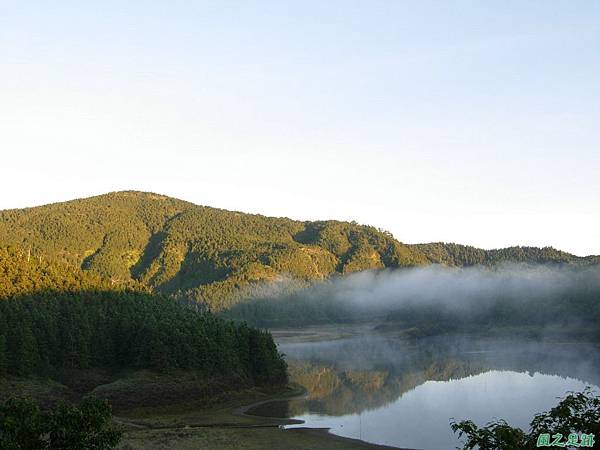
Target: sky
pixel 458 121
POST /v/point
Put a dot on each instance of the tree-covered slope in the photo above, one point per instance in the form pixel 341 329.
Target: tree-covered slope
pixel 23 274
pixel 144 240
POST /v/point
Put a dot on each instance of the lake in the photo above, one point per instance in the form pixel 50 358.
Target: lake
pixel 404 393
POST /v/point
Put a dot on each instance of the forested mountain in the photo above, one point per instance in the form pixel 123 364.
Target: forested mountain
pixel 145 241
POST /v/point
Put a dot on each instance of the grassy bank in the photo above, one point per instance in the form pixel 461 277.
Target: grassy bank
pixel 225 426
pixel 181 411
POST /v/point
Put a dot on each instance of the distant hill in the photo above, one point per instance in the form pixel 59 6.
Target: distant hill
pixel 457 255
pixel 152 242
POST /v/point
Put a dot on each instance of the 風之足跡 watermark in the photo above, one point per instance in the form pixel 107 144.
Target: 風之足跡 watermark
pixel 559 440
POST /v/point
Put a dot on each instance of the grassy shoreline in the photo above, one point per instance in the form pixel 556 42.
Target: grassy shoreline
pixel 177 420
pixel 228 426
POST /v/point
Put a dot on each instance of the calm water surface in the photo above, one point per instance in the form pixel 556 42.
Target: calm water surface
pixel 390 391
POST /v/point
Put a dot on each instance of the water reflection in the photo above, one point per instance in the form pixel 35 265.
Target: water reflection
pixel 394 392
pixel 420 417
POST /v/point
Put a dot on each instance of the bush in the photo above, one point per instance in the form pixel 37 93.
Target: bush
pixel 576 414
pixel 24 426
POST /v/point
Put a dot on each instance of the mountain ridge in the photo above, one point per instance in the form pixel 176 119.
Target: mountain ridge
pixel 154 242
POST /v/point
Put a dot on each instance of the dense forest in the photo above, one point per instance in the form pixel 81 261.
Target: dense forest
pixel 49 332
pixel 150 242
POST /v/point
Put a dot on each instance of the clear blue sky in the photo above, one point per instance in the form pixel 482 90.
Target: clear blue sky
pixel 469 121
